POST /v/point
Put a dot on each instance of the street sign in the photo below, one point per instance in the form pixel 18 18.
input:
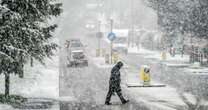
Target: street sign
pixel 111 36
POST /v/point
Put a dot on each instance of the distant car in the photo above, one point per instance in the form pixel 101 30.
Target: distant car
pixel 75 53
pixel 90 26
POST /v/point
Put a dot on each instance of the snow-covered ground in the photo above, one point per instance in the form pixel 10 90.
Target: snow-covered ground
pixel 157 55
pixel 38 81
pixel 140 50
pixel 176 61
pixel 48 80
pixel 100 62
pixel 197 71
pixel 158 98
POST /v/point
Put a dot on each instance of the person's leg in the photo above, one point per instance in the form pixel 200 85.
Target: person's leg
pixel 119 93
pixel 108 97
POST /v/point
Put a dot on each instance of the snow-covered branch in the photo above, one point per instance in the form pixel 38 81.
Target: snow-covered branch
pixel 15 48
pixel 4 54
pixel 4 9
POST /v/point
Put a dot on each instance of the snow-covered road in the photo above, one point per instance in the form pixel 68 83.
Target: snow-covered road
pixel 89 86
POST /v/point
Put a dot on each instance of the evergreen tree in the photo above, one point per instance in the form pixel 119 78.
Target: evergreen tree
pixel 25 34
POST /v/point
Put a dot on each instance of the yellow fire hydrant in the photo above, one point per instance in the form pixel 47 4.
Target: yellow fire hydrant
pixel 145 75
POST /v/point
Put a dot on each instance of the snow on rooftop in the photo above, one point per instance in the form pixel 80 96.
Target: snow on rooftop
pixel 121 32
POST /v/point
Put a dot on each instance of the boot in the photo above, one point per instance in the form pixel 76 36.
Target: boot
pixel 108 103
pixel 125 101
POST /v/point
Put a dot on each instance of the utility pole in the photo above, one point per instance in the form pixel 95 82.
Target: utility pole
pixel 99 35
pixel 132 22
pixel 111 45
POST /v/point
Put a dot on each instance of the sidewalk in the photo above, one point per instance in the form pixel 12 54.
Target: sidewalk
pixel 156 98
pixel 160 98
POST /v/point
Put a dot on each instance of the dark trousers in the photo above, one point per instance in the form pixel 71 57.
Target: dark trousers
pixel 112 90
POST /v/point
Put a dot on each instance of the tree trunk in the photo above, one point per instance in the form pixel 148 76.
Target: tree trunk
pixel 7 83
pixel 182 51
pixel 31 62
pixel 21 74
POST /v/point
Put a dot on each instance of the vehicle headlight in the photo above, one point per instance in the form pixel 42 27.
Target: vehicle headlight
pixel 92 26
pixel 87 26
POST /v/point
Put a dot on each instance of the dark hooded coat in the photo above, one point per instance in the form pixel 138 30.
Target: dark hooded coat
pixel 115 78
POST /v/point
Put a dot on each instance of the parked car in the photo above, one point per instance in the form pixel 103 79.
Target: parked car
pixel 76 55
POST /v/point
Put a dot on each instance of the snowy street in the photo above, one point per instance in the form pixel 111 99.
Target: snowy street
pixel 89 85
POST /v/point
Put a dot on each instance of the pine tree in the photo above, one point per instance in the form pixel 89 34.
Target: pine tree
pixel 25 34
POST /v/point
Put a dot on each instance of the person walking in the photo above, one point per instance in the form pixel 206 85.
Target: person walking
pixel 114 84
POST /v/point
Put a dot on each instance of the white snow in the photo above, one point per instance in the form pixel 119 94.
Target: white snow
pixel 149 54
pixel 157 55
pixel 177 65
pixel 5 107
pixel 100 62
pixel 197 71
pixel 39 81
pixel 132 50
pixel 162 98
pixel 47 82
pixel 159 97
pixel 121 32
pixel 177 57
pixel 4 54
pixel 191 98
pixel 139 50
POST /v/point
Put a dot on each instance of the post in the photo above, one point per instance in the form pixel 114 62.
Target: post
pixel 132 40
pixel 111 52
pixel 99 38
pixel 111 45
pixel 31 61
